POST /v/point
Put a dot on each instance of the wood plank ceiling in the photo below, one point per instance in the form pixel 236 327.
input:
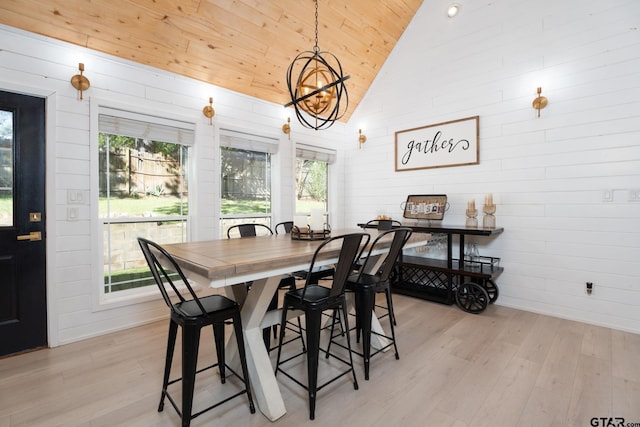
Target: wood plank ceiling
pixel 241 45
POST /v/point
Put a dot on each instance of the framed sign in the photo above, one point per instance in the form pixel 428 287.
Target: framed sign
pixel 453 143
pixel 425 206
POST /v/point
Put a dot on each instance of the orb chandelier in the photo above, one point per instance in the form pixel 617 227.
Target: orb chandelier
pixel 316 86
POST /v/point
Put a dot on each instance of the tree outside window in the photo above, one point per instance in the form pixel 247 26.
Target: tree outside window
pixel 311 185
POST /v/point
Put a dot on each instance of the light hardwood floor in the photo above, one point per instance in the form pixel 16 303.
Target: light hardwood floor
pixel 504 367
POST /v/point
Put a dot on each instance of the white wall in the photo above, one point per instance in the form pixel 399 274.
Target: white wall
pixel 548 174
pixel 43 67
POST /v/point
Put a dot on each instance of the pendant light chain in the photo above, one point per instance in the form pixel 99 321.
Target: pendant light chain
pixel 316 48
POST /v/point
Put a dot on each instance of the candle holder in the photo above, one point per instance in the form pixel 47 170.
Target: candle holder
pixel 489 219
pixel 305 233
pixel 472 218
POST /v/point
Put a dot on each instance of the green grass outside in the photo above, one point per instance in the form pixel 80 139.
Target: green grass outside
pixel 143 206
pixel 232 207
pixel 171 206
pixel 137 207
pixel 129 279
pixel 6 203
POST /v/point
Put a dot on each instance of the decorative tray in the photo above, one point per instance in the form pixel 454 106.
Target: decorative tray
pixel 305 233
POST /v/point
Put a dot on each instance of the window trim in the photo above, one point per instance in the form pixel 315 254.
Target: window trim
pixel 245 141
pixel 99 300
pixel 248 141
pixel 311 152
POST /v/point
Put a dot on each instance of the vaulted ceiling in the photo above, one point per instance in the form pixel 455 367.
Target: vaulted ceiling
pixel 242 45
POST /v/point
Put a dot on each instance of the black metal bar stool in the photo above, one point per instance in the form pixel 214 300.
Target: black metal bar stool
pixel 288 282
pixel 313 299
pixel 192 315
pixel 367 285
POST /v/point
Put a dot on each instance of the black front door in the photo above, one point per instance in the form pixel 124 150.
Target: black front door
pixel 23 308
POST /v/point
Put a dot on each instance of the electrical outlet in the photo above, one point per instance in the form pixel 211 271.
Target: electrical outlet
pixel 589 287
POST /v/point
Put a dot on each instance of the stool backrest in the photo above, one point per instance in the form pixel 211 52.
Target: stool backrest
pixel 248 230
pixel 349 250
pixel 167 274
pixel 400 238
pixel 286 226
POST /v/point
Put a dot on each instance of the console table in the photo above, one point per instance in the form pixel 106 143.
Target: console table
pixel 471 285
pixel 453 280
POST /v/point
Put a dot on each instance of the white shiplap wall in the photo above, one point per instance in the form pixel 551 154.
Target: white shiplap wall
pixel 39 66
pixel 548 174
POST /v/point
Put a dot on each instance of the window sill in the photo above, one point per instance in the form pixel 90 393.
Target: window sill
pixel 135 296
pixel 128 297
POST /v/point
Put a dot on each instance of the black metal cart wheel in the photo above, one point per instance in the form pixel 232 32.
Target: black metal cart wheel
pixel 492 289
pixel 472 297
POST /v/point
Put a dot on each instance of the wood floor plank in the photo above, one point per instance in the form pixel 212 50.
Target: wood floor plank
pixel 626 399
pixel 469 394
pixel 506 401
pixel 592 391
pixel 597 342
pixel 501 367
pixel 624 353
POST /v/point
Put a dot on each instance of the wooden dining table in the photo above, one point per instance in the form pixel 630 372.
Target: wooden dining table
pixel 263 260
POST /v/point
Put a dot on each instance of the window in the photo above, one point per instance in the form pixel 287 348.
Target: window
pixel 6 168
pixel 143 191
pixel 312 178
pixel 245 179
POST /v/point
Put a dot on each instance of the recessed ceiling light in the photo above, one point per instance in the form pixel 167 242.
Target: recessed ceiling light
pixel 453 10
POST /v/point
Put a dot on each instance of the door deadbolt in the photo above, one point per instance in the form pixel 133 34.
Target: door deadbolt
pixel 33 236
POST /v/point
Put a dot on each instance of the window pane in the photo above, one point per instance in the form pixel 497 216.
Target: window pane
pixel 225 223
pixel 139 179
pixel 125 266
pixel 6 168
pixel 311 185
pixel 245 181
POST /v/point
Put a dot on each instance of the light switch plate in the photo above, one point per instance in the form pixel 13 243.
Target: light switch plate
pixel 73 213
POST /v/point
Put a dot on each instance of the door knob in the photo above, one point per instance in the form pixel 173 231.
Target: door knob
pixel 32 236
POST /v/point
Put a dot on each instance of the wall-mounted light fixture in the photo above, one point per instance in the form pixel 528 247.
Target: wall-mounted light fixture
pixel 286 128
pixel 362 138
pixel 453 10
pixel 80 82
pixel 540 102
pixel 209 112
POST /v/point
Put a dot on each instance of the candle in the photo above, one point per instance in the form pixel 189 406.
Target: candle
pixel 317 220
pixel 488 199
pixel 300 221
pixel 471 205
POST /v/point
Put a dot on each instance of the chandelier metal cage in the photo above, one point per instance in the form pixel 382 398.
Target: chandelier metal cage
pixel 315 81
